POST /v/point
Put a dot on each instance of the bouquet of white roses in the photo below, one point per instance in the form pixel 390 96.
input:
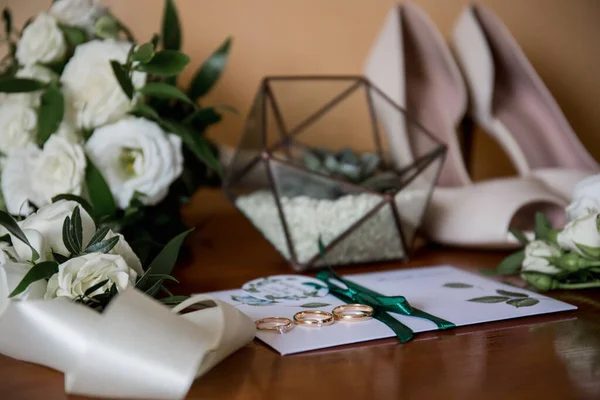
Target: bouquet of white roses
pixel 87 113
pixel 58 252
pixel 567 258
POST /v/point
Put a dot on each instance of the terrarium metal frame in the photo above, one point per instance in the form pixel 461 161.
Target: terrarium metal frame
pixel 266 157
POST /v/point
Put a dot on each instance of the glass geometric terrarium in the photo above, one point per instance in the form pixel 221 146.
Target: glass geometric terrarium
pixel 333 158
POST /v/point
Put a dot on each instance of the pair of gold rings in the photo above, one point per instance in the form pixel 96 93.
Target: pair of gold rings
pixel 318 318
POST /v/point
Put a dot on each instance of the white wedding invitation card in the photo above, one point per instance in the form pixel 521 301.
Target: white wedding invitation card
pixel 460 297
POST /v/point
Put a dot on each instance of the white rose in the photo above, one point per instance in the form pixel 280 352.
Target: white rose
pixel 580 234
pixel 135 154
pixel 78 274
pixel 91 90
pixel 32 99
pixel 43 229
pixel 80 13
pixel 537 254
pixel 37 175
pixel 123 249
pixel 586 198
pixel 42 41
pixel 18 126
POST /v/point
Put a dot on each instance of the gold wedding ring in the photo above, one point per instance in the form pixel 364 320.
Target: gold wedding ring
pixel 315 319
pixel 279 324
pixel 353 312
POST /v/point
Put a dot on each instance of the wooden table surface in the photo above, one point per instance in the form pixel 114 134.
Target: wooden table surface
pixel 544 357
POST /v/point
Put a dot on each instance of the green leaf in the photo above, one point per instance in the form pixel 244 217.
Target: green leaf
pixel 526 302
pixel 107 27
pixel 11 226
pixel 104 246
pixel 99 192
pixel 315 305
pixel 489 299
pixel 173 299
pixel 457 285
pixel 12 84
pixel 164 91
pixel 208 115
pixel 510 265
pixel 165 63
pixel 198 145
pixel 98 236
pixel 165 260
pixel 143 110
pixel 171 32
pixel 511 294
pixel 7 18
pixel 72 197
pixel 542 226
pixel 38 272
pixel 97 286
pixel 520 236
pixel 59 258
pixel 210 71
pixel 74 35
pixel 123 78
pixel 588 251
pixel 152 290
pixel 67 237
pixel 76 229
pixel 50 113
pixel 143 53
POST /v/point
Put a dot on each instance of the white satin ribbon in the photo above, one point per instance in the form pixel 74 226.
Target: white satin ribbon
pixel 137 348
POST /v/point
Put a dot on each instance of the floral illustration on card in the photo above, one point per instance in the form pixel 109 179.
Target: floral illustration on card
pixel 515 299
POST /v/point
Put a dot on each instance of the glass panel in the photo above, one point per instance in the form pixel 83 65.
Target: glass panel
pixel 299 99
pixel 315 206
pixel 253 196
pixel 375 239
pixel 413 199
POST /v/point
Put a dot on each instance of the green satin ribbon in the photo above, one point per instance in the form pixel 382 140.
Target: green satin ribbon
pixel 381 304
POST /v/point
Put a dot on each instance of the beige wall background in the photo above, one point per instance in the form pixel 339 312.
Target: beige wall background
pixel 561 38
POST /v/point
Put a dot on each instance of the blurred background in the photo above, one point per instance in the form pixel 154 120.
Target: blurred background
pixel 283 37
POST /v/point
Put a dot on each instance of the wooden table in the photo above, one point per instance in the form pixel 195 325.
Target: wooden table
pixel 545 357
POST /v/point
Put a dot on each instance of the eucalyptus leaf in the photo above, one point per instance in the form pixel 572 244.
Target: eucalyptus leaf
pixel 164 91
pixel 520 236
pixel 511 294
pixel 171 32
pixel 123 78
pixel 11 84
pixel 510 265
pixel 210 71
pixel 59 258
pixel 7 18
pixel 143 53
pixel 38 272
pixel 99 192
pixel 489 299
pixel 143 110
pixel 97 286
pixel 173 299
pixel 523 302
pixel 74 35
pixel 50 113
pixel 165 260
pixel 457 285
pixel 98 236
pixel 72 197
pixel 14 229
pixel 104 246
pixel 542 226
pixel 165 63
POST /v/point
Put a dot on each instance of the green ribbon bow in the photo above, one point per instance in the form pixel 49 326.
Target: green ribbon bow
pixel 381 304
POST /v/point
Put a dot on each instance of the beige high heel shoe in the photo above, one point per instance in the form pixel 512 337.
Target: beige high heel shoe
pixel 512 104
pixel 411 63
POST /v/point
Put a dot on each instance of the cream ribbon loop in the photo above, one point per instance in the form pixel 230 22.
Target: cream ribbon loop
pixel 137 348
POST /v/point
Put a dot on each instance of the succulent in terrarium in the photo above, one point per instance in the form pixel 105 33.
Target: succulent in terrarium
pixel 362 169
